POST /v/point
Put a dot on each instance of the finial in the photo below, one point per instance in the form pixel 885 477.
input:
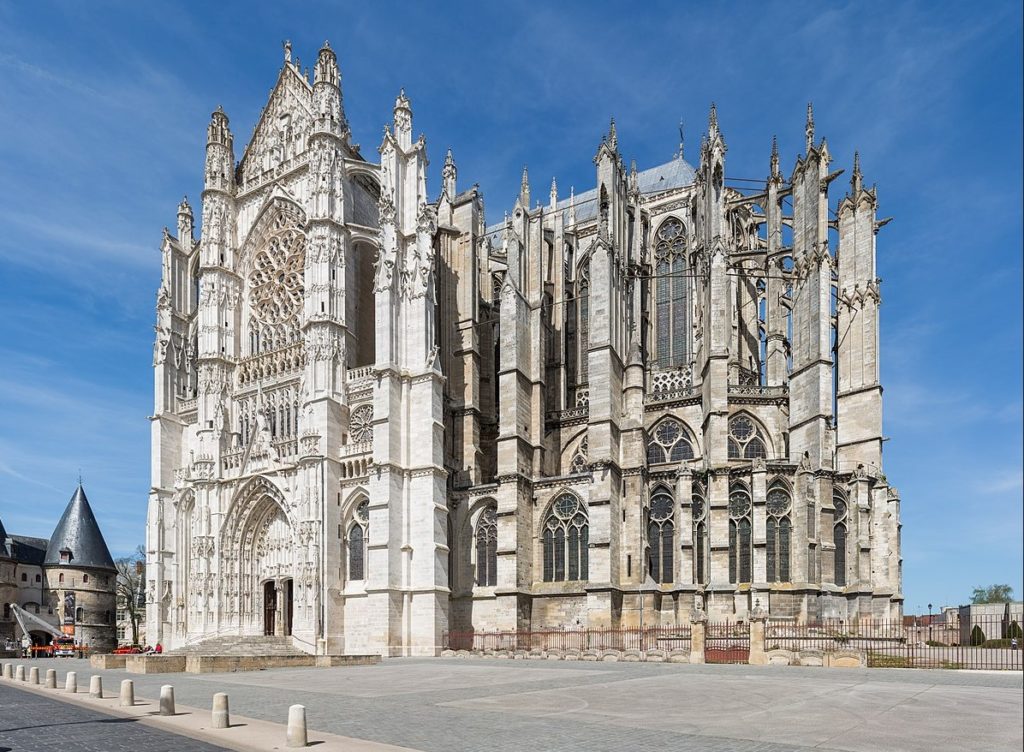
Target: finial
pixel 287 44
pixel 713 118
pixel 79 477
pixel 524 183
pixel 613 136
pixel 554 192
pixel 809 128
pixel 775 157
pixel 327 45
pixel 680 155
pixel 856 180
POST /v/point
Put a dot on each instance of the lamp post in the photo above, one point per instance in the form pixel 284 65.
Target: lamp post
pixel 929 622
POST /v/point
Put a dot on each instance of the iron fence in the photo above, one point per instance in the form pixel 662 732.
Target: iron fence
pixel 727 642
pixel 980 642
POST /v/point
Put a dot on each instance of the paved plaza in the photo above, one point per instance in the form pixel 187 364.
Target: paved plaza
pixel 459 705
pixel 30 723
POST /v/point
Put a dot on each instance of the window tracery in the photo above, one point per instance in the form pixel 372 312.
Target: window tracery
pixel 361 423
pixel 580 459
pixel 358 535
pixel 487 548
pixel 660 536
pixel 745 439
pixel 671 305
pixel 839 538
pixel 739 535
pixel 276 287
pixel 700 534
pixel 566 540
pixel 778 528
pixel 669 442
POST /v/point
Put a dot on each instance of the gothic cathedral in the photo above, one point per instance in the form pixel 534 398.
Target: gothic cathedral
pixel 379 419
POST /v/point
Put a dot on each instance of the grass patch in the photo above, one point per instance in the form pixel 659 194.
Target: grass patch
pixel 885 660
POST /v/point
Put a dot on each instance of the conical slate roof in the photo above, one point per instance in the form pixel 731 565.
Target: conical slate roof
pixel 78 532
pixel 3 540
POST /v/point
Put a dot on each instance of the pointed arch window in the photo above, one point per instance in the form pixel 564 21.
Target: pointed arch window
pixel 669 442
pixel 579 461
pixel 358 537
pixel 583 320
pixel 739 535
pixel 487 548
pixel 839 538
pixel 566 540
pixel 671 305
pixel 661 536
pixel 700 535
pixel 746 441
pixel 778 530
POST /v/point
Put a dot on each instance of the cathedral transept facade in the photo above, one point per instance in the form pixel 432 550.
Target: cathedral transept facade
pixel 379 418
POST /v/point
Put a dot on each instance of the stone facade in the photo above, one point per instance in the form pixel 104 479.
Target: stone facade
pixel 378 418
pixel 39 574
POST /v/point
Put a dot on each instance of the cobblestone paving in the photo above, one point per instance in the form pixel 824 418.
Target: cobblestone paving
pixel 30 723
pixel 463 705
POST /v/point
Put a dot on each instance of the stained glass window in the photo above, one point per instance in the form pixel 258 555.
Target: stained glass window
pixel 839 538
pixel 777 532
pixel 660 536
pixel 487 548
pixel 565 540
pixel 739 535
pixel 669 443
pixel 357 535
pixel 671 313
pixel 700 536
pixel 745 439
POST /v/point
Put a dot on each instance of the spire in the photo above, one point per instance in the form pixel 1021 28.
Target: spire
pixel 856 180
pixel 79 533
pixel 326 68
pixel 613 136
pixel 634 181
pixel 681 140
pixel 553 195
pixel 572 205
pixel 448 175
pixel 218 131
pixel 403 120
pixel 186 224
pixel 524 189
pixel 713 120
pixel 775 157
pixel 809 128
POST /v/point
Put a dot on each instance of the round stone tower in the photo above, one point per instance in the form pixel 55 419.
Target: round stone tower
pixel 82 578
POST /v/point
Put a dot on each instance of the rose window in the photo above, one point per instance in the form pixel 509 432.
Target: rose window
pixel 361 423
pixel 275 283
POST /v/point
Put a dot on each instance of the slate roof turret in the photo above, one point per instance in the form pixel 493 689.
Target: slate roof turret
pixel 79 532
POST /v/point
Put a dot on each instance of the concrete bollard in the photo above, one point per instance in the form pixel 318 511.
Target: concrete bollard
pixel 167 700
pixel 19 673
pixel 221 718
pixel 51 678
pixel 33 675
pixel 127 693
pixel 9 671
pixel 296 726
pixel 71 682
pixel 96 687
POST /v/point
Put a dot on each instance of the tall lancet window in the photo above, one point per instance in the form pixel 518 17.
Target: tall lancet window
pixel 358 535
pixel 777 534
pixel 670 305
pixel 660 535
pixel 487 548
pixel 566 540
pixel 583 320
pixel 739 535
pixel 700 535
pixel 839 538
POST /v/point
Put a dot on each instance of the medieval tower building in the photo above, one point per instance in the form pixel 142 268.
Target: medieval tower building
pixel 378 418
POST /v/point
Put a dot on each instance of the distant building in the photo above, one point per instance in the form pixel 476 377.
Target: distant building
pixel 990 621
pixel 68 580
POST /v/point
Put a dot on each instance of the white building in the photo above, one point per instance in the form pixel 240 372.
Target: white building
pixel 378 419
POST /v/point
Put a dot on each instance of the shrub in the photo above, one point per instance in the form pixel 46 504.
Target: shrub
pixel 977 636
pixel 935 644
pixel 1003 643
pixel 1014 630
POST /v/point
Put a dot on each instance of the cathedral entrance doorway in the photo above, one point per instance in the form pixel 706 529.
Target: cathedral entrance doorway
pixel 269 607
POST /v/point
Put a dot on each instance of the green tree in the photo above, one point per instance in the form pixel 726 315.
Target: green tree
pixel 131 584
pixel 977 636
pixel 992 594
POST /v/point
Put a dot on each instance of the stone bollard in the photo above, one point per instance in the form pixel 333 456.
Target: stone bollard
pixel 9 671
pixel 96 687
pixel 697 627
pixel 167 700
pixel 127 693
pixel 19 673
pixel 71 682
pixel 51 678
pixel 33 675
pixel 221 718
pixel 296 726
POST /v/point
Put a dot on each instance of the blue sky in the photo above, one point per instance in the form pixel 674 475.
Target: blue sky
pixel 103 109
